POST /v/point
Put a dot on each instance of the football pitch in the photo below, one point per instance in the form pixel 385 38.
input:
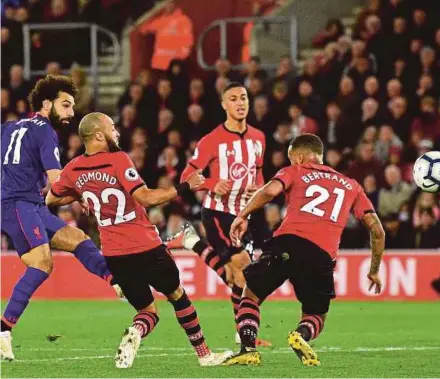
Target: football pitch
pixel 73 339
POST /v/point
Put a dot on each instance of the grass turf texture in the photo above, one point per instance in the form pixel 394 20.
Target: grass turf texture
pixel 359 340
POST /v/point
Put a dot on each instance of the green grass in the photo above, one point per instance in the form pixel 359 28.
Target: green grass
pixel 357 341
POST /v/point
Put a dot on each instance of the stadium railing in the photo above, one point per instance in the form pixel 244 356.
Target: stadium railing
pixel 222 25
pixel 94 70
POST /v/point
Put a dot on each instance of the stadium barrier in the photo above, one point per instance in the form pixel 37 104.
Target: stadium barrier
pixel 406 275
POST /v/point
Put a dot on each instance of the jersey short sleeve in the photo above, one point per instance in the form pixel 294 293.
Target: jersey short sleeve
pixel 63 186
pixel 362 204
pixel 202 155
pixel 260 159
pixel 48 146
pixel 127 174
pixel 286 176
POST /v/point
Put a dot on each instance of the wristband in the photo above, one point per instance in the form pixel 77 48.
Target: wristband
pixel 183 188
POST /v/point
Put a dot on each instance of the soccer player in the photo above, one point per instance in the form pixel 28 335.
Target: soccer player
pixel 233 152
pixel 135 254
pixel 30 155
pixel 304 248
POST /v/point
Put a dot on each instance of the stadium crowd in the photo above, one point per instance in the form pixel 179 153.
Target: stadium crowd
pixel 373 97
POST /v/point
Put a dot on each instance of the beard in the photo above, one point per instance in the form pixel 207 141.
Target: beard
pixel 113 146
pixel 55 119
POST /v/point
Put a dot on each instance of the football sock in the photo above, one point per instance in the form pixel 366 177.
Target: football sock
pixel 23 290
pixel 310 327
pixel 211 258
pixel 236 298
pixel 187 316
pixel 145 322
pixel 248 322
pixel 91 258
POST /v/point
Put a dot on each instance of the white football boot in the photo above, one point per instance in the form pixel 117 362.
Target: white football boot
pixel 215 359
pixel 6 346
pixel 128 348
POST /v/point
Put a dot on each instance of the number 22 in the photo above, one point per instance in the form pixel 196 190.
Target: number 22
pixel 312 206
pixel 120 217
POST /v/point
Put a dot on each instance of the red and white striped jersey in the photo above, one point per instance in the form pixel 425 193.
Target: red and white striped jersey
pixel 231 156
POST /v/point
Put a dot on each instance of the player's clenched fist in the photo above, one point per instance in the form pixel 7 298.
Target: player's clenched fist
pixel 196 180
pixel 223 187
pixel 238 228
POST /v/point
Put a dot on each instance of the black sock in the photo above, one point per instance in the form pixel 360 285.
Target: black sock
pixel 248 320
pixel 211 258
pixel 5 327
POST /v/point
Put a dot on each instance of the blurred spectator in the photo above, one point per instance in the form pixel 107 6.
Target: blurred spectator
pixel 394 90
pixel 337 131
pixel 126 124
pixel 420 27
pixel 74 149
pixel 386 143
pixel 83 100
pixel 371 88
pixel 427 233
pixel 178 76
pixel 333 158
pixel 157 218
pixel 309 102
pixel 399 118
pixel 371 190
pixel 53 68
pixel 169 164
pixel 279 101
pixel 426 200
pixel 398 40
pixel 5 103
pixel 348 100
pixel 197 93
pixel 18 85
pixel 173 30
pixel 253 70
pixel 397 193
pixel 260 116
pixel 300 124
pixel 196 127
pixel 285 70
pixel 427 125
pixel 333 30
pixel 429 64
pixel 370 116
pixel 366 164
pixel 426 87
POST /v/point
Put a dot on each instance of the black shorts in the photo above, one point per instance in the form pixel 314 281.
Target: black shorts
pixel 135 273
pixel 218 225
pixel 304 264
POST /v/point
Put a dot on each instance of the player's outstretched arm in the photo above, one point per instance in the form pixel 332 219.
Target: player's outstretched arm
pixel 55 201
pixel 262 197
pixel 150 197
pixel 377 242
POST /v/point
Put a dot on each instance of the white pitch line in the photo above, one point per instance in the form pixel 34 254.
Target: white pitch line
pixel 329 349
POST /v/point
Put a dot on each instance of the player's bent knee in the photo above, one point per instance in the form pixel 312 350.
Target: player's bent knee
pixel 241 260
pixel 151 308
pixel 176 295
pixel 68 238
pixel 316 308
pixel 39 258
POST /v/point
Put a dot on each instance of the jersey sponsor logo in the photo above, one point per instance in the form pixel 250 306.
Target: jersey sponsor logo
pixel 131 174
pixel 239 171
pixel 56 152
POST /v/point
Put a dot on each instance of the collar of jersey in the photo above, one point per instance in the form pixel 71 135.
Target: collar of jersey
pixel 237 133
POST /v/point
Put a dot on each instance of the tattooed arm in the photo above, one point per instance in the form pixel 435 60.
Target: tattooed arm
pixel 377 243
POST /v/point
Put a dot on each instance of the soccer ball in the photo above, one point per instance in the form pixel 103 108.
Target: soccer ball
pixel 426 171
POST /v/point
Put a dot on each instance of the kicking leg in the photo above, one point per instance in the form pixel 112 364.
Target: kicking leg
pixel 143 324
pixel 187 317
pixel 39 267
pixel 74 240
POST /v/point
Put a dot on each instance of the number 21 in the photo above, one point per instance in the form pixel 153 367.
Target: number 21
pixel 312 206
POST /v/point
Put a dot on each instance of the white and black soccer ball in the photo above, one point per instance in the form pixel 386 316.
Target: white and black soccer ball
pixel 426 171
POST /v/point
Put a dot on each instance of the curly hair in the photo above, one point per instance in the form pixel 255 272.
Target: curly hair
pixel 49 88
